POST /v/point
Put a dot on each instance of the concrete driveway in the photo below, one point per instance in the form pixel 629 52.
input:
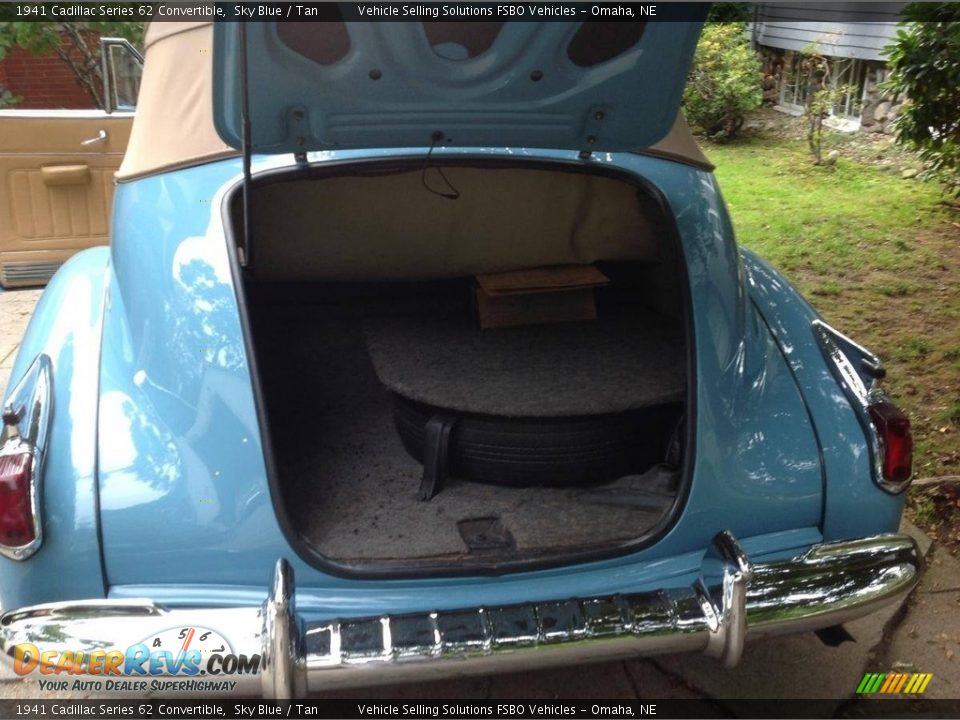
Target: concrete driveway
pixel 922 634
pixel 15 310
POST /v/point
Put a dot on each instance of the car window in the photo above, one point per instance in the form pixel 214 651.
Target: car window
pixel 123 67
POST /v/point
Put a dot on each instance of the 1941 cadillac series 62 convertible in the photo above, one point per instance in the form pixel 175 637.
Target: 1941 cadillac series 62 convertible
pixel 448 321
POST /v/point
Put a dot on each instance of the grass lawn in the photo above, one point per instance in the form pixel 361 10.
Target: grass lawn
pixel 879 257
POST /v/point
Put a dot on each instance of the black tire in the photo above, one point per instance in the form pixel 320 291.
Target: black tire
pixel 544 451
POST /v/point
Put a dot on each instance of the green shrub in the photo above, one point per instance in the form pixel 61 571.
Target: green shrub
pixel 925 60
pixel 724 81
pixel 7 98
pixel 730 12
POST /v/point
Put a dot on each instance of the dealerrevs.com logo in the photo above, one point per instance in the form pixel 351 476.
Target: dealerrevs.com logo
pixel 180 656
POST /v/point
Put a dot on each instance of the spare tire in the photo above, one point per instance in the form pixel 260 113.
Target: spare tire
pixel 543 451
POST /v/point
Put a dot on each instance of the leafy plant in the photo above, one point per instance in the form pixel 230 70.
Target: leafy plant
pixel 822 96
pixel 724 81
pixel 925 61
pixel 76 43
pixel 7 98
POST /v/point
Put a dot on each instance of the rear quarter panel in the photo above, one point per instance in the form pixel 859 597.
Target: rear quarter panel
pixel 66 326
pixel 854 505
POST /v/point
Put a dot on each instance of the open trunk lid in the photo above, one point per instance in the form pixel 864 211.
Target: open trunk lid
pixel 597 86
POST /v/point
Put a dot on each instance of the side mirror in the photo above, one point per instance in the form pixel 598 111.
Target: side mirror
pixel 122 68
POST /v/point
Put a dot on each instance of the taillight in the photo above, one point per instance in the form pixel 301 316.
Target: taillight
pixel 23 444
pixel 17 523
pixel 886 426
pixel 896 440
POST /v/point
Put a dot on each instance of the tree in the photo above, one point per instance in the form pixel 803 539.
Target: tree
pixel 76 43
pixel 822 96
pixel 724 80
pixel 925 61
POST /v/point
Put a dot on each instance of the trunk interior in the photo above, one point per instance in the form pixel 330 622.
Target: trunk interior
pixel 538 441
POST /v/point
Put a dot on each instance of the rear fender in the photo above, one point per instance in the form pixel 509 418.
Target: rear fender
pixel 66 326
pixel 854 505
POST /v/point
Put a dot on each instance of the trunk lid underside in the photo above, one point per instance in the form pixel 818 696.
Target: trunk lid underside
pixel 602 86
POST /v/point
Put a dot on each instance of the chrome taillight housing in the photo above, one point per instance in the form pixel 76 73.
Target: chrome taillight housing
pixel 26 417
pixel 886 426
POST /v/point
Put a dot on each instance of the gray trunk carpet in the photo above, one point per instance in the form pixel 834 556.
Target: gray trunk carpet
pixel 631 360
pixel 352 489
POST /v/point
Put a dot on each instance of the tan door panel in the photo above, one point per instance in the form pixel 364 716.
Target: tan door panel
pixel 56 187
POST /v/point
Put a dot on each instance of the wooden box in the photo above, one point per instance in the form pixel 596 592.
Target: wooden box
pixel 561 293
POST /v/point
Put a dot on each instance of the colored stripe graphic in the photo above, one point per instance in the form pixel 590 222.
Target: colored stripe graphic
pixel 873 682
pixel 862 687
pixel 894 683
pixel 901 681
pixel 889 682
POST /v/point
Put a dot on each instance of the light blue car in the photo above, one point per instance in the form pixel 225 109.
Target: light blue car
pixel 447 321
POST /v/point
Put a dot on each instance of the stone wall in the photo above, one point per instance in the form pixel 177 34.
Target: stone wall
pixel 879 108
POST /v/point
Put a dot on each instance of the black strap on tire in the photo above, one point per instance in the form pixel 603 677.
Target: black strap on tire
pixel 436 454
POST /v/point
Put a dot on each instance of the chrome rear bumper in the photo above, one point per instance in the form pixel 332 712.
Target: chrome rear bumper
pixel 730 601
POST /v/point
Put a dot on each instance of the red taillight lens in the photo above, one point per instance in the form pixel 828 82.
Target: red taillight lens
pixel 16 515
pixel 893 429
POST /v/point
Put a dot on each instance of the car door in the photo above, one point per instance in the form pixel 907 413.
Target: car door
pixel 56 174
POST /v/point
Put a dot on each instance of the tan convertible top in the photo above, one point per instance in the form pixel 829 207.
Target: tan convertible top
pixel 173 126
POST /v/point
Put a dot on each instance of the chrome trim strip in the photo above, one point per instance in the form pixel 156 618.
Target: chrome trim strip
pixel 31 402
pixel 62 114
pixel 731 600
pixel 19 271
pixel 839 338
pixel 109 81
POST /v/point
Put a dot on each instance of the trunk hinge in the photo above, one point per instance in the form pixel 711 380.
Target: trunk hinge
pixel 299 127
pixel 245 253
pixel 594 121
